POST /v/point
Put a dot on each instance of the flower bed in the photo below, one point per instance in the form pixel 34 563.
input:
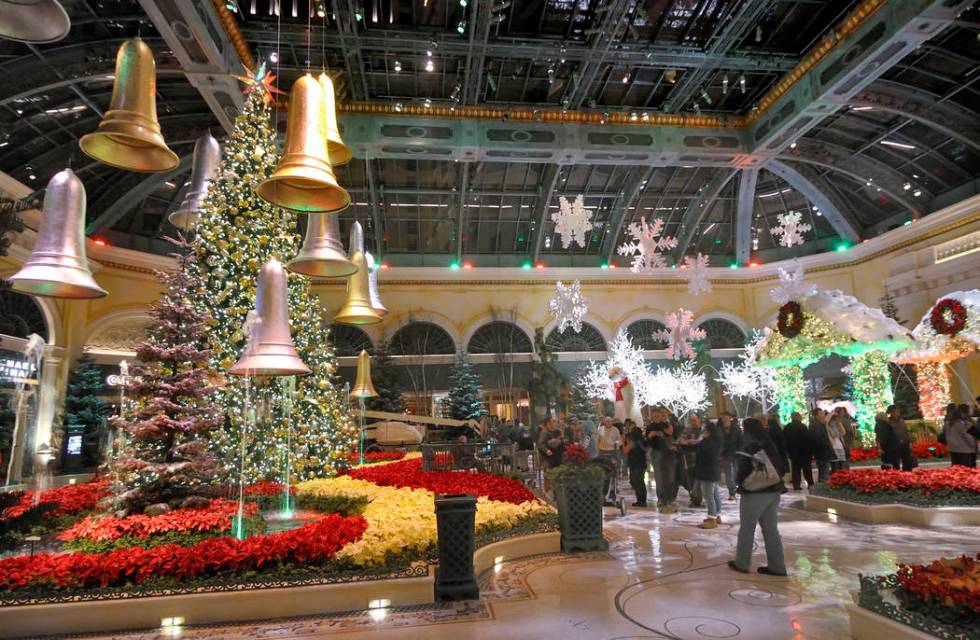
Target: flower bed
pixel 313 542
pixel 949 486
pixel 408 473
pixel 921 450
pixel 55 510
pixel 373 457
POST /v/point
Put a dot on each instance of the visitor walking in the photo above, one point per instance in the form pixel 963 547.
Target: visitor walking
pixel 823 452
pixel 962 444
pixel 835 435
pixel 688 447
pixel 589 439
pixel 847 423
pixel 885 439
pixel 707 471
pixel 665 459
pixel 901 433
pixel 799 451
pixel 609 442
pixel 636 462
pixel 775 430
pixel 760 471
pixel 733 442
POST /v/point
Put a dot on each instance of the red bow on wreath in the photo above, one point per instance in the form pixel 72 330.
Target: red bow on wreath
pixel 948 317
pixel 618 386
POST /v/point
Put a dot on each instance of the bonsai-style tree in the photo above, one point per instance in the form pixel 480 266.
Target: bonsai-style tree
pixel 386 382
pixel 167 458
pixel 85 409
pixel 546 379
pixel 465 394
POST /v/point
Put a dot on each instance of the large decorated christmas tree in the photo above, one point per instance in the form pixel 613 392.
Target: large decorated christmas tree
pixel 238 232
pixel 167 458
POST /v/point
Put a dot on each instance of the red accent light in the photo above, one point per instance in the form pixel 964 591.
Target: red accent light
pixel 467 265
pixel 539 266
pixel 385 265
pixel 753 264
pixel 612 266
pixel 99 241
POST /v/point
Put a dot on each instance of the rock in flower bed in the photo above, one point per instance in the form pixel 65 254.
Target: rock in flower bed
pixel 946 487
pixel 941 598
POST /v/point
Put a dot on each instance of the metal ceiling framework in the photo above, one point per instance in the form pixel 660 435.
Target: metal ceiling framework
pixel 824 112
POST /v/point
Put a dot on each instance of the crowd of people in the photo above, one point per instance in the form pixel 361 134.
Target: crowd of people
pixel 747 461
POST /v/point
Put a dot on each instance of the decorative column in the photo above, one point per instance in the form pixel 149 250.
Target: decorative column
pixel 932 380
pixel 872 390
pixel 790 393
pixel 455 523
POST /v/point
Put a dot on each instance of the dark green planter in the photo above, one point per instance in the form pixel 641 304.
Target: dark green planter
pixel 580 513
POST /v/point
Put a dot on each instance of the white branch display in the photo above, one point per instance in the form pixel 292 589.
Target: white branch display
pixel 697 269
pixel 572 221
pixel 647 245
pixel 679 334
pixel 747 381
pixel 791 228
pixel 682 390
pixel 569 306
pixel 791 286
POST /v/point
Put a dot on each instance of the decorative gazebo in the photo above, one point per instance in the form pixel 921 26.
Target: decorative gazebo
pixel 812 325
pixel 949 330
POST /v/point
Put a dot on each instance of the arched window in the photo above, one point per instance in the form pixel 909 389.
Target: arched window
pixel 723 334
pixel 641 333
pixel 21 315
pixel 499 337
pixel 348 340
pixel 421 339
pixel 588 339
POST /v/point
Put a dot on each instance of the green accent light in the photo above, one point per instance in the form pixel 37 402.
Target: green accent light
pixel 733 265
pixel 842 247
pixel 906 223
pixel 454 266
pixel 604 265
pixel 718 241
pixel 526 265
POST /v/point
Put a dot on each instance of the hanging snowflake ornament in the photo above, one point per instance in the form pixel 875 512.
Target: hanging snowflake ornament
pixel 697 269
pixel 572 221
pixel 791 228
pixel 679 334
pixel 647 245
pixel 569 306
pixel 791 286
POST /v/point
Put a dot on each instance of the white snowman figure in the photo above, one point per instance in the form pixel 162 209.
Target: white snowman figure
pixel 626 404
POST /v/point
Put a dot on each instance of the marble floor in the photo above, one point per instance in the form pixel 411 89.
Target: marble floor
pixel 663 578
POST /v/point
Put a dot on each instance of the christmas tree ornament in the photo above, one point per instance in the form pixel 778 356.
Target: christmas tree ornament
pixel 207 161
pixel 647 245
pixel 270 350
pixel 569 306
pixel 697 270
pixel 373 290
pixel 357 308
pixel 58 267
pixel 791 228
pixel 572 221
pixel 338 152
pixel 363 388
pixel 304 180
pixel 34 21
pixel 129 135
pixel 322 254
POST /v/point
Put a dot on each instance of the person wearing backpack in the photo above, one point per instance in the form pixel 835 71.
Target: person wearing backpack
pixel 760 482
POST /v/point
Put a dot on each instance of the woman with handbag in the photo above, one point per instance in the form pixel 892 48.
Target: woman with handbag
pixel 760 482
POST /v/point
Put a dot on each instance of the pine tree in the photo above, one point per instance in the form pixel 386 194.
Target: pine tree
pixel 238 233
pixel 387 382
pixel 546 379
pixel 580 405
pixel 172 413
pixel 465 394
pixel 84 408
pixel 902 376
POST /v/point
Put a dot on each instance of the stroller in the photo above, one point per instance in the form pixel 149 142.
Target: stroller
pixel 610 498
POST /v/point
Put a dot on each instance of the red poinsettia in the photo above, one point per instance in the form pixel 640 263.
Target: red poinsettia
pixel 316 541
pixel 921 450
pixel 946 583
pixel 67 500
pixel 926 481
pixel 576 455
pixel 267 488
pixel 408 473
pixel 217 516
pixel 375 456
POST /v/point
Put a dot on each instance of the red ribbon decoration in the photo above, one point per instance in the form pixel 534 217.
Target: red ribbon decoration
pixel 618 386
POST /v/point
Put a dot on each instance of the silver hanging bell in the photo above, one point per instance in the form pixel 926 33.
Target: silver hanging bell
pixel 57 267
pixel 373 291
pixel 270 350
pixel 322 254
pixel 207 160
pixel 35 21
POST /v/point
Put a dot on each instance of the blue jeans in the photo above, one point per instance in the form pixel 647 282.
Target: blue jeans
pixel 759 509
pixel 729 468
pixel 712 497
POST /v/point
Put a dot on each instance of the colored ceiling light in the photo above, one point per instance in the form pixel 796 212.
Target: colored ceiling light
pixel 454 266
pixel 525 265
pixel 842 247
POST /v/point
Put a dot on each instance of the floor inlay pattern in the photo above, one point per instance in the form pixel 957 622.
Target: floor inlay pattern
pixel 663 578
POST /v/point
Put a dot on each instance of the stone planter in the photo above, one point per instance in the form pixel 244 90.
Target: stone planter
pixel 580 513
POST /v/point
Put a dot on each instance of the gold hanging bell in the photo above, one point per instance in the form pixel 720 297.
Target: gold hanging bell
pixel 270 350
pixel 339 152
pixel 58 267
pixel 304 180
pixel 363 388
pixel 129 135
pixel 322 254
pixel 357 308
pixel 373 290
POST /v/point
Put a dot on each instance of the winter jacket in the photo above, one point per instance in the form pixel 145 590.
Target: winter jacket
pixel 901 431
pixel 733 440
pixel 957 438
pixel 707 460
pixel 798 444
pixel 751 446
pixel 822 450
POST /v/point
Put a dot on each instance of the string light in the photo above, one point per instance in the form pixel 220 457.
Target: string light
pixel 398 66
pixel 872 390
pixel 741 83
pixel 724 85
pixel 932 382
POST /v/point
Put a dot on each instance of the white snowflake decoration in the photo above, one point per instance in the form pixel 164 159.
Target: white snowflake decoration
pixel 647 245
pixel 697 268
pixel 791 286
pixel 572 221
pixel 569 306
pixel 747 381
pixel 681 389
pixel 679 334
pixel 791 228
